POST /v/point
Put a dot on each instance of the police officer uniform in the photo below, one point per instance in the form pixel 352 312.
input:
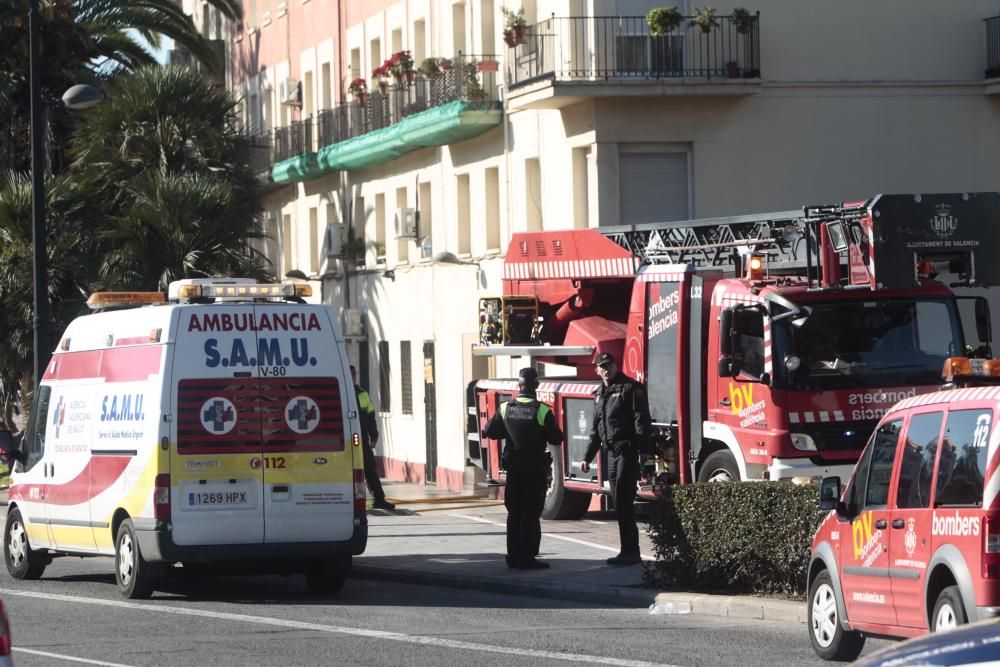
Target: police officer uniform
pixel 369 438
pixel 528 426
pixel 621 428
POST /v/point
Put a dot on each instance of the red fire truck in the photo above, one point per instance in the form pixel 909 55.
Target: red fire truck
pixel 770 345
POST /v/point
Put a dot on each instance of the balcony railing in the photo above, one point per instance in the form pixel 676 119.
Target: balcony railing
pixel 993 47
pixel 589 48
pixel 470 78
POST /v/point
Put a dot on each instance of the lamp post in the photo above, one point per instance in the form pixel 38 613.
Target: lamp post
pixel 77 97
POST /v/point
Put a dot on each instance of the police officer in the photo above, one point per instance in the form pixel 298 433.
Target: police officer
pixel 621 428
pixel 369 438
pixel 527 425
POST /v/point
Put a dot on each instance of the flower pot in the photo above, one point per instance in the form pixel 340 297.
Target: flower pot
pixel 705 29
pixel 488 66
pixel 508 39
pixel 383 86
pixel 408 75
pixel 519 31
pixel 362 98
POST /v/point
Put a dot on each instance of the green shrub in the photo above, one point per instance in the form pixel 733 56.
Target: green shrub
pixel 737 538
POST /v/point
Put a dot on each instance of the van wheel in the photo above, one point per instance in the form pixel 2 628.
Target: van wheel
pixel 132 572
pixel 561 503
pixel 828 638
pixel 720 466
pixel 23 562
pixel 949 612
pixel 327 575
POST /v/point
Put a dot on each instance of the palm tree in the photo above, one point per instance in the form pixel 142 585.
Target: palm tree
pixel 84 41
pixel 164 157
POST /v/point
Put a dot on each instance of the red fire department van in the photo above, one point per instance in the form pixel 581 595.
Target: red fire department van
pixel 914 543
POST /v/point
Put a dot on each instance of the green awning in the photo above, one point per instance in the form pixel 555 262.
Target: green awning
pixel 296 169
pixel 446 124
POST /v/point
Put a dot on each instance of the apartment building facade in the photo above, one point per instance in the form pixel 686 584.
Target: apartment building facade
pixel 398 205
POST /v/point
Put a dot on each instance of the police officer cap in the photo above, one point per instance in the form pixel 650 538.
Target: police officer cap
pixel 528 377
pixel 603 359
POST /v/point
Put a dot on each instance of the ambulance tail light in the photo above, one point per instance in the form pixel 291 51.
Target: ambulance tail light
pixel 4 631
pixel 359 492
pixel 991 545
pixel 161 498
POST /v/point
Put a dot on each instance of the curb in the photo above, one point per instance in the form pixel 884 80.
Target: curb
pixel 619 597
pixel 746 607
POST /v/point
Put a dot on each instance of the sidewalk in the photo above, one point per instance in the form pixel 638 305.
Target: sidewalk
pixel 460 541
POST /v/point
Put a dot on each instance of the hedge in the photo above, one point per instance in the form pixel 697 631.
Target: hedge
pixel 734 537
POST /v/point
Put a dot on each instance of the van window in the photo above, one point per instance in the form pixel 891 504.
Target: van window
pixel 872 466
pixel 963 458
pixel 39 420
pixel 880 472
pixel 919 449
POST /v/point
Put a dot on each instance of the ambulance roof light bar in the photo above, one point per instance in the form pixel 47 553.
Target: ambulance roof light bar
pixel 101 300
pixel 234 289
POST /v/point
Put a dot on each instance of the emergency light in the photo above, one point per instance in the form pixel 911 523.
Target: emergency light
pixel 959 367
pixel 754 267
pixel 235 289
pixel 99 300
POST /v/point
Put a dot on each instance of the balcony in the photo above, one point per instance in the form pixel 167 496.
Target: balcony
pixel 992 55
pixel 564 60
pixel 454 105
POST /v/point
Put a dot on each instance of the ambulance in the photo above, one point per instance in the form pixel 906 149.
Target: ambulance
pixel 913 545
pixel 218 425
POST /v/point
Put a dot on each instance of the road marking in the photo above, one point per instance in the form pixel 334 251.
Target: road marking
pixel 335 629
pixel 556 536
pixel 70 658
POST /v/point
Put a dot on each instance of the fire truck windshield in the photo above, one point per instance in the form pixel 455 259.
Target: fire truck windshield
pixel 870 343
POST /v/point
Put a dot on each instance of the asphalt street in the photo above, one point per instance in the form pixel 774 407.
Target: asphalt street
pixel 75 616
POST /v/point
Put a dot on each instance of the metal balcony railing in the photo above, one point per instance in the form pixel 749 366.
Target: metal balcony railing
pixel 473 78
pixel 620 47
pixel 992 47
pixel 261 153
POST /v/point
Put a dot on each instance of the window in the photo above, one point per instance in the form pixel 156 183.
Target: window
pixel 403 244
pixel 653 186
pixel 458 28
pixel 464 214
pixel 533 190
pixel 406 377
pixel 36 446
pixel 880 470
pixel 492 212
pixel 424 226
pixel 384 402
pixel 917 469
pixel 750 343
pixel 875 463
pixel 581 193
pixel 419 41
pixel 286 243
pixel 380 229
pixel 963 458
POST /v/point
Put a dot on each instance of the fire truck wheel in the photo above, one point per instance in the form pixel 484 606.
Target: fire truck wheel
pixel 949 612
pixel 132 573
pixel 828 637
pixel 720 466
pixel 327 575
pixel 23 562
pixel 561 503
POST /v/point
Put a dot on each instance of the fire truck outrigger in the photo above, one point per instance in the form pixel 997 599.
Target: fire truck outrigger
pixel 770 344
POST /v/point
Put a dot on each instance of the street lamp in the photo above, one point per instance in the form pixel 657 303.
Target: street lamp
pixel 77 97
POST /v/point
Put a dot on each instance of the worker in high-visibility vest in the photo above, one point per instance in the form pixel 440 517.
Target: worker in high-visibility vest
pixel 369 438
pixel 529 427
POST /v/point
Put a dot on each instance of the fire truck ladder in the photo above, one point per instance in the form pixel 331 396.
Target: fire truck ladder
pixel 718 242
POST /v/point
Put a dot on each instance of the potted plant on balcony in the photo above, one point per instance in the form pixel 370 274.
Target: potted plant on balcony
pixel 704 19
pixel 514 27
pixel 663 20
pixel 401 66
pixel 429 68
pixel 359 89
pixel 380 75
pixel 472 89
pixel 445 64
pixel 742 19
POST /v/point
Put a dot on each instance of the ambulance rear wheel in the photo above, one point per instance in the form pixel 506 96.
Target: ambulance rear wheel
pixel 949 612
pixel 560 502
pixel 828 637
pixel 720 466
pixel 23 562
pixel 327 575
pixel 132 572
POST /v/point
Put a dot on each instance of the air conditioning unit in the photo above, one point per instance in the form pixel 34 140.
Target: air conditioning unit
pixel 289 92
pixel 354 325
pixel 336 240
pixel 406 223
